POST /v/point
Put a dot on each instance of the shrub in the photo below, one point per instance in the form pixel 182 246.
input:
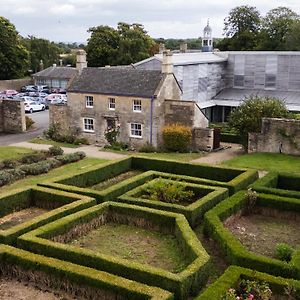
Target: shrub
pixel 284 252
pixel 72 157
pixel 9 163
pixel 170 192
pixel 53 132
pixel 29 122
pixel 117 146
pixel 56 150
pixel 177 137
pixel 9 176
pixel 147 148
pixel 36 168
pixel 33 158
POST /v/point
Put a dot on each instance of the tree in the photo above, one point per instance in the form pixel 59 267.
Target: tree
pixel 292 41
pixel 275 28
pixel 127 44
pixel 13 56
pixel 248 116
pixel 41 49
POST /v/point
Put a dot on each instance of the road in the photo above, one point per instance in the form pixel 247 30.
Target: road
pixel 41 120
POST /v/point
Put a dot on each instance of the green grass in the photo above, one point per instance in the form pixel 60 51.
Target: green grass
pixel 266 161
pixel 64 170
pixel 13 152
pixel 40 140
pixel 182 157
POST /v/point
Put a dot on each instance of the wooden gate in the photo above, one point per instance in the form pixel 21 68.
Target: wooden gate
pixel 217 138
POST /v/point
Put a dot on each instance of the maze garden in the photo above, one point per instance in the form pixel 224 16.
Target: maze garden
pixel 101 233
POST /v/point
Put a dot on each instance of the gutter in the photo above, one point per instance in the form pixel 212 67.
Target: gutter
pixel 151 119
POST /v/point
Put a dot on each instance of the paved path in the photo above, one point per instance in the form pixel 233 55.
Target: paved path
pixel 90 151
pixel 215 158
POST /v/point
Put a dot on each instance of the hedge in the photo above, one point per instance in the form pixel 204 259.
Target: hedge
pixel 193 212
pixel 61 203
pixel 234 274
pixel 68 277
pixel 233 179
pixel 286 185
pixel 189 280
pixel 235 252
pixel 231 138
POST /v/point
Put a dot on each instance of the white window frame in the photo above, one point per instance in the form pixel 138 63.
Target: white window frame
pixel 88 101
pixel 112 103
pixel 137 105
pixel 135 128
pixel 85 124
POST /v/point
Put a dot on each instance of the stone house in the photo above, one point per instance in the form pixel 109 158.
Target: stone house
pixel 136 103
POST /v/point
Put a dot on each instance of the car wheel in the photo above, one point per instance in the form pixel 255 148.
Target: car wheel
pixel 31 110
pixel 43 108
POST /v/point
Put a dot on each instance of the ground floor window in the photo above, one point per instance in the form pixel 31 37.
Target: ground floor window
pixel 88 125
pixel 136 130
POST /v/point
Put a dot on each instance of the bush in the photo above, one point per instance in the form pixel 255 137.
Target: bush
pixel 147 148
pixel 177 137
pixel 55 150
pixel 33 158
pixel 118 146
pixel 29 122
pixel 72 157
pixel 9 176
pixel 284 252
pixel 36 168
pixel 9 163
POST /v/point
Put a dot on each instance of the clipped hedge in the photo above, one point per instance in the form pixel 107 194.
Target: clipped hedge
pixel 189 280
pixel 235 252
pixel 234 274
pixel 74 279
pixel 231 138
pixel 60 203
pixel 193 212
pixel 281 184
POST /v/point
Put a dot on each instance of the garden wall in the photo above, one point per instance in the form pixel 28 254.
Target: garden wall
pixel 277 136
pixel 14 84
pixel 12 116
pixel 60 114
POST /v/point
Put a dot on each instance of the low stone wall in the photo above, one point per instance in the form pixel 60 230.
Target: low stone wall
pixel 203 139
pixel 60 114
pixel 14 84
pixel 277 136
pixel 12 115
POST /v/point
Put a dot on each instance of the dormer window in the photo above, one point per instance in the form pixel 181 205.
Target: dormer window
pixel 89 101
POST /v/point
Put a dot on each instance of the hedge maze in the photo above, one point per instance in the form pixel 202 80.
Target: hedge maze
pixel 49 249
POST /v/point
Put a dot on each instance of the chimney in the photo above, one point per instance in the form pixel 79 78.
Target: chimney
pixel 183 48
pixel 162 47
pixel 81 62
pixel 167 64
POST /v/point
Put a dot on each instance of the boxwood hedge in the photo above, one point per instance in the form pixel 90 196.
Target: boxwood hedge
pixel 235 252
pixel 61 204
pixel 190 280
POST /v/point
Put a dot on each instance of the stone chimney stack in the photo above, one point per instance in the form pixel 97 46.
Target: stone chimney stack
pixel 162 48
pixel 81 62
pixel 167 64
pixel 183 48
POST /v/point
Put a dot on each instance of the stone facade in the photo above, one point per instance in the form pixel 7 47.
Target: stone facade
pixel 277 136
pixel 203 139
pixel 12 116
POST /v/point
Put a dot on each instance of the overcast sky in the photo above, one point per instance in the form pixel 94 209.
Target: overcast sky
pixel 69 20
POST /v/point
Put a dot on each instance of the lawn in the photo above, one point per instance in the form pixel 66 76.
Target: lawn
pixel 13 152
pixel 39 140
pixel 64 170
pixel 266 161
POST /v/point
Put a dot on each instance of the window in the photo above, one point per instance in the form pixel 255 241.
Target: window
pixel 88 125
pixel 89 101
pixel 137 105
pixel 111 103
pixel 136 130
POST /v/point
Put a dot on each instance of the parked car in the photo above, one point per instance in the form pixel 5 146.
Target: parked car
pixel 57 98
pixel 43 88
pixel 9 93
pixel 28 88
pixel 31 106
pixel 58 91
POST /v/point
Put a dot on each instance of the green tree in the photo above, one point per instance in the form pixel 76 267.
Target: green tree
pixel 292 41
pixel 13 56
pixel 248 116
pixel 127 44
pixel 41 49
pixel 275 28
pixel 242 25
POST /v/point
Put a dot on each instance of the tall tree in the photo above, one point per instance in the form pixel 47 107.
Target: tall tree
pixel 41 49
pixel 242 25
pixel 292 40
pixel 275 27
pixel 127 44
pixel 13 56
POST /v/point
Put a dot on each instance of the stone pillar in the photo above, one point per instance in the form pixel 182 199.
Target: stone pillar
pixel 183 47
pixel 81 62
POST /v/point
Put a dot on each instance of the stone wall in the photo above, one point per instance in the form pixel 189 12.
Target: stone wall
pixel 277 136
pixel 60 114
pixel 12 116
pixel 203 139
pixel 14 84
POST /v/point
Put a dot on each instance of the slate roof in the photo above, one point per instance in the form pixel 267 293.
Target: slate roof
pixel 57 72
pixel 234 97
pixel 117 81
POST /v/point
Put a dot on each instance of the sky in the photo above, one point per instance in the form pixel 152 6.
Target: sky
pixel 69 20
